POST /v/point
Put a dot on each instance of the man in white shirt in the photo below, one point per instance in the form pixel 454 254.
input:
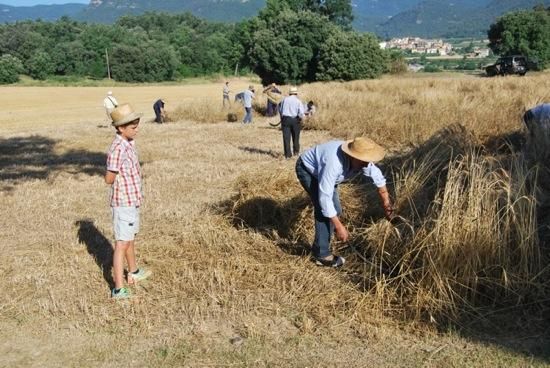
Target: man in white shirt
pixel 292 112
pixel 248 96
pixel 226 91
pixel 110 103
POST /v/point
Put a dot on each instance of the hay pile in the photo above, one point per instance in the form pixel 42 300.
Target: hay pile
pixel 466 236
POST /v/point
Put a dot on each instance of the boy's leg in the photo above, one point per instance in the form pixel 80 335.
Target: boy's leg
pixel 126 225
pixel 131 256
pixel 118 262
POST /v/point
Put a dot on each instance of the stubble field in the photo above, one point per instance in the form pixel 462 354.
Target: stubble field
pixel 226 228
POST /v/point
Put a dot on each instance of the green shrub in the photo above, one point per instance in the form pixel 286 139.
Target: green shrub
pixel 349 55
pixel 10 68
pixel 41 65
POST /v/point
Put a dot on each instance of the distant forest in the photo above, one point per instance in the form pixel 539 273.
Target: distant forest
pixel 290 41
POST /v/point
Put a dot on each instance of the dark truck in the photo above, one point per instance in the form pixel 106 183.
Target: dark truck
pixel 515 64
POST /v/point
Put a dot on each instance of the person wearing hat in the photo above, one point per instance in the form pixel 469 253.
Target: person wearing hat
pixel 292 112
pixel 158 108
pixel 319 170
pixel 273 99
pixel 124 175
pixel 248 96
pixel 109 103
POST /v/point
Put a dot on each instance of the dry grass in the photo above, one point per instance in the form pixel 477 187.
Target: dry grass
pixel 215 279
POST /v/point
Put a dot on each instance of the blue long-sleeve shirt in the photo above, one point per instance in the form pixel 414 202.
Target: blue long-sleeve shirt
pixel 331 166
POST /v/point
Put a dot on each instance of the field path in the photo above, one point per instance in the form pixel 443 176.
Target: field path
pixel 220 296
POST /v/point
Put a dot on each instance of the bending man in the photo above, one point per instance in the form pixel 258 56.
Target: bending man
pixel 320 169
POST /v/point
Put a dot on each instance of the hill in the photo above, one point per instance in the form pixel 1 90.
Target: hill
pixel 391 18
pixel 45 12
pixel 436 18
pixel 108 11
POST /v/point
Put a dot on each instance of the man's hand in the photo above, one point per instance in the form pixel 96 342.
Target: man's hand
pixel 386 203
pixel 340 230
pixel 341 233
pixel 388 211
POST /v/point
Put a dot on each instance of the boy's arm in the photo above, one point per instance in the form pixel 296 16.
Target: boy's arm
pixel 110 177
pixel 114 163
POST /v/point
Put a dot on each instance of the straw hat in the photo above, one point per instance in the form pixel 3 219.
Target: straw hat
pixel 364 149
pixel 293 91
pixel 110 93
pixel 124 114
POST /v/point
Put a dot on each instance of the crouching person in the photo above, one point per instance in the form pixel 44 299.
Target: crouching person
pixel 124 175
pixel 320 169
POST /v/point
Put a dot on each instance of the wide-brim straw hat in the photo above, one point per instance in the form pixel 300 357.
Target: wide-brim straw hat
pixel 293 90
pixel 364 149
pixel 124 114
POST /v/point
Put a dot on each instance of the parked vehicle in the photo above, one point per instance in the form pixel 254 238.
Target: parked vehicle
pixel 515 64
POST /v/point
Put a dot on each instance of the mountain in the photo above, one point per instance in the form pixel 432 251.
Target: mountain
pixel 44 12
pixel 369 13
pixel 108 11
pixel 386 18
pixel 437 18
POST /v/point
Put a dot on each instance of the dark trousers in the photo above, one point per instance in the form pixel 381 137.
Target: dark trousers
pixel 291 129
pixel 158 116
pixel 323 226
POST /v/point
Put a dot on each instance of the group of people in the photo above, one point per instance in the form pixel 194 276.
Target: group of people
pixel 110 103
pixel 319 170
pixel 291 109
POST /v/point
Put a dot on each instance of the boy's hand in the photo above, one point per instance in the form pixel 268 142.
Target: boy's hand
pixel 110 177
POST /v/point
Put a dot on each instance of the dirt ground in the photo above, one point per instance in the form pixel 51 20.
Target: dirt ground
pixel 219 296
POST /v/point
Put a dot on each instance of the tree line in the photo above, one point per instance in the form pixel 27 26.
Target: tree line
pixel 290 41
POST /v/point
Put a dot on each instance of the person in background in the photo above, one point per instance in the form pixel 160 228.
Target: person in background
pixel 292 112
pixel 320 170
pixel 248 96
pixel 226 91
pixel 158 108
pixel 273 98
pixel 310 109
pixel 109 103
pixel 124 176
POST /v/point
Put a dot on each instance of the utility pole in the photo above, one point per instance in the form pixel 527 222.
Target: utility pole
pixel 236 69
pixel 108 66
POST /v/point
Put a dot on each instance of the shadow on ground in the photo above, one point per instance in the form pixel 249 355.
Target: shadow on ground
pixel 260 151
pixel 34 157
pixel 518 324
pixel 98 246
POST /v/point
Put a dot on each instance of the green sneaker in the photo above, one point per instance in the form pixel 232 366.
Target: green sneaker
pixel 123 293
pixel 140 275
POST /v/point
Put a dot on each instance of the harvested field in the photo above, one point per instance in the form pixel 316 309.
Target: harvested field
pixel 226 228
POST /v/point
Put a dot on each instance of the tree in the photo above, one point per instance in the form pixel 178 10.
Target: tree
pixel 286 49
pixel 522 32
pixel 10 67
pixel 349 55
pixel 147 63
pixel 339 12
pixel 41 65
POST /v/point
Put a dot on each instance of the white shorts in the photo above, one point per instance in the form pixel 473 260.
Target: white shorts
pixel 125 222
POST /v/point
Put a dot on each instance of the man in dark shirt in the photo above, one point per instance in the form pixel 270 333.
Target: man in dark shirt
pixel 160 115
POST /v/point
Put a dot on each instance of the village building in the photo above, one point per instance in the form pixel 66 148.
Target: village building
pixel 419 45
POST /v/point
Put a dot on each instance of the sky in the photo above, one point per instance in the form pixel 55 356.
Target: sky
pixel 37 2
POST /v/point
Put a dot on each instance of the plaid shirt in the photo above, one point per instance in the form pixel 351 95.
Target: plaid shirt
pixel 122 158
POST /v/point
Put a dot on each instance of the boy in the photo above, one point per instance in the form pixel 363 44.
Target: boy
pixel 124 176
